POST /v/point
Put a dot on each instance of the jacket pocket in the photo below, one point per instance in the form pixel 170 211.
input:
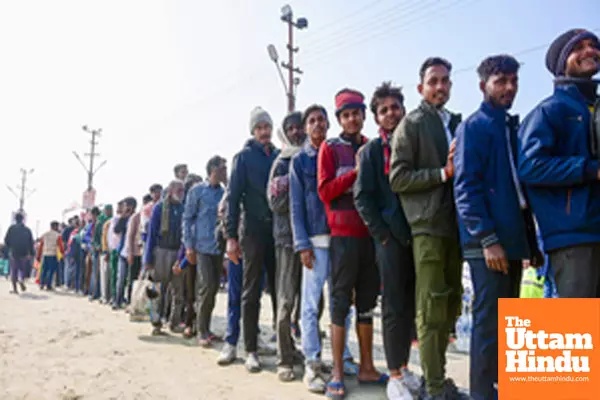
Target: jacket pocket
pixel 436 309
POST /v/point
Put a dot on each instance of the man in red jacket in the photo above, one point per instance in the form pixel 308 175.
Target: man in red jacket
pixel 351 247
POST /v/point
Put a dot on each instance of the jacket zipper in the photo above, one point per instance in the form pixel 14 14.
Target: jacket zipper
pixel 569 192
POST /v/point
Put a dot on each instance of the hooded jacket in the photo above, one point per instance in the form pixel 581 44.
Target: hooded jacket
pixel 278 190
pixel 248 189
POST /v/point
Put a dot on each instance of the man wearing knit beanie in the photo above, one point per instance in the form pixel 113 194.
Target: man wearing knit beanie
pixel 558 163
pixel 353 269
pixel 247 194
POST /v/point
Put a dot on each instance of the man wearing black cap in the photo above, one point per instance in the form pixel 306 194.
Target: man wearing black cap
pixel 289 268
pixel 558 163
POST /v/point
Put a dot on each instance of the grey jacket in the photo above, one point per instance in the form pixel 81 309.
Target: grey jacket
pixel 418 154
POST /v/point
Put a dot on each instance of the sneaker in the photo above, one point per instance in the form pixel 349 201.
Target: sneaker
pixel 397 390
pixel 412 382
pixel 350 367
pixel 265 349
pixel 23 287
pixel 452 392
pixel 314 378
pixel 227 356
pixel 253 363
pixel 285 373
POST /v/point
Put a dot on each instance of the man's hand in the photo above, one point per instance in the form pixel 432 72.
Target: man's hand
pixel 190 254
pixel 307 256
pixel 495 258
pixel 130 260
pixel 233 251
pixel 449 167
pixel 176 268
pixel 357 158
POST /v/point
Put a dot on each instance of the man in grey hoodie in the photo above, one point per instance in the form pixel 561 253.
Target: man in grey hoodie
pixel 289 268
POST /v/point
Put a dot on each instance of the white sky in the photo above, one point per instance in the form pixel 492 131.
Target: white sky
pixel 174 80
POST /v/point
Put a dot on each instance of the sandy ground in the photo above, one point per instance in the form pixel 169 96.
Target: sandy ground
pixel 61 346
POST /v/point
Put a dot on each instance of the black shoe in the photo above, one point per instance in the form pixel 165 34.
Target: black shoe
pixel 23 287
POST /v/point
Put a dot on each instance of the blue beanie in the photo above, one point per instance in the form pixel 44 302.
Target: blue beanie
pixel 561 48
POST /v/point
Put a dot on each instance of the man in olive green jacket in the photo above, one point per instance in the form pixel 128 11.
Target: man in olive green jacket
pixel 421 173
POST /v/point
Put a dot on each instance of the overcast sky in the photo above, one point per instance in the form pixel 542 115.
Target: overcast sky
pixel 174 81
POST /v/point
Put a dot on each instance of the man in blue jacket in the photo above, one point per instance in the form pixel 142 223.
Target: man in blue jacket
pixel 200 241
pixel 248 195
pixel 311 240
pixel 160 253
pixel 495 222
pixel 558 163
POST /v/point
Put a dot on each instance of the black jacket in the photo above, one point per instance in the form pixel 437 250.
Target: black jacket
pixel 377 205
pixel 19 241
pixel 248 191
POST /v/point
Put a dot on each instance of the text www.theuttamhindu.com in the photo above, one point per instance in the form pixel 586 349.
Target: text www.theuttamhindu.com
pixel 559 379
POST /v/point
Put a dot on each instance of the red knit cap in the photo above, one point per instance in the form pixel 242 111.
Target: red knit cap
pixel 348 98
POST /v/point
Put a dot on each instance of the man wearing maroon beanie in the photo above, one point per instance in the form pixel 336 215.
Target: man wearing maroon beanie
pixel 351 248
pixel 559 164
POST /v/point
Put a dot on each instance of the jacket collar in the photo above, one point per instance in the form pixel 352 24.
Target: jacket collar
pixel 363 139
pixel 499 114
pixel 571 90
pixel 255 145
pixel 309 148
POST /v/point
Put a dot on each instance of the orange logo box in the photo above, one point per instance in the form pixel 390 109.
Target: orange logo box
pixel 549 349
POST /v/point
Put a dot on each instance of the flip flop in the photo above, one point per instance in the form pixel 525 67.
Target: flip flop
pixel 333 389
pixel 383 380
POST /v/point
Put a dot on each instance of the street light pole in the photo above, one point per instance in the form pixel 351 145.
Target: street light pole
pixel 22 187
pixel 92 155
pixel 301 23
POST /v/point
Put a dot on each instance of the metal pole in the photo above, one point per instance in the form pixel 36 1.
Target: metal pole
pixel 291 99
pixel 22 196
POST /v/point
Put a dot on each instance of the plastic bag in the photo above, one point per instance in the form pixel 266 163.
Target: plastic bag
pixel 532 285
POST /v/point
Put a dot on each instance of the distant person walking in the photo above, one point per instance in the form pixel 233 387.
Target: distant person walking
pixel 19 248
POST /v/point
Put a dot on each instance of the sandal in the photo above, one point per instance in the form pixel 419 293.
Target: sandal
pixel 285 373
pixel 382 380
pixel 214 338
pixel 204 341
pixel 336 390
pixel 189 333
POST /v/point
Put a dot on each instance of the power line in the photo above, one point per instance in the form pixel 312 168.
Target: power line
pixel 394 28
pixel 90 171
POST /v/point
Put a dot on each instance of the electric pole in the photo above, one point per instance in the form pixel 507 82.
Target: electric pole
pixel 90 171
pixel 22 192
pixel 287 16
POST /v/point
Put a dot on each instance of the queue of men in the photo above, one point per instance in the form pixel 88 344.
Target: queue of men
pixel 395 215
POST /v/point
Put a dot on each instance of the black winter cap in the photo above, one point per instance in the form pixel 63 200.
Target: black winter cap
pixel 561 48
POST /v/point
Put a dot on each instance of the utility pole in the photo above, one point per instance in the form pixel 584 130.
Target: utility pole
pixel 90 171
pixel 287 16
pixel 22 192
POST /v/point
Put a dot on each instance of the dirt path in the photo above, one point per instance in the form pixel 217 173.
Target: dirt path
pixel 59 346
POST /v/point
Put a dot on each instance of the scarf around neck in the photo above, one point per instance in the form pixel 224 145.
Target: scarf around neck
pixel 385 140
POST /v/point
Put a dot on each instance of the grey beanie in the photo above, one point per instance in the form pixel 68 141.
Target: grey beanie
pixel 257 116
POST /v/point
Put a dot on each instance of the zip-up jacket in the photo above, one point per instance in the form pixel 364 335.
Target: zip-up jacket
pixel 419 153
pixel 172 241
pixel 336 173
pixel 19 241
pixel 97 239
pixel 378 206
pixel 557 167
pixel 200 218
pixel 307 210
pixel 248 190
pixel 486 198
pixel 279 201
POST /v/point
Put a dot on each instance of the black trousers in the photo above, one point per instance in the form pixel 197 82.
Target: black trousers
pixel 258 253
pixel 397 272
pixel 577 271
pixel 353 270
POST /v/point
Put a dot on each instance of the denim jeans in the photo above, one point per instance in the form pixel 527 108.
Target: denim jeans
pixel 60 273
pixel 49 267
pixel 121 277
pixel 95 278
pixel 235 274
pixel 73 273
pixel 488 286
pixel 313 281
pixel 105 278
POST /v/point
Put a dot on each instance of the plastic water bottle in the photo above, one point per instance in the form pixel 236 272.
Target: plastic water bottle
pixel 464 326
